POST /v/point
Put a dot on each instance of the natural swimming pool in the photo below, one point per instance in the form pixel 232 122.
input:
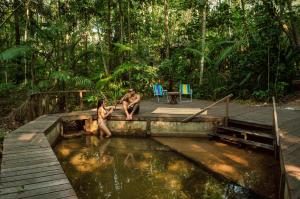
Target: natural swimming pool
pixel 138 168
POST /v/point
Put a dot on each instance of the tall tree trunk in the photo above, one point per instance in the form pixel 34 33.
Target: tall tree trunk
pixel 17 27
pixel 121 21
pixel 294 27
pixel 291 28
pixel 229 28
pixel 109 33
pixel 121 27
pixel 32 69
pixel 203 39
pixel 26 37
pixel 86 41
pixel 166 26
pixel 128 22
pixel 245 24
pixel 6 78
pixel 102 53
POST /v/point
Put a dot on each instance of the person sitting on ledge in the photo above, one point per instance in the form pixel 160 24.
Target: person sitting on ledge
pixel 102 117
pixel 130 103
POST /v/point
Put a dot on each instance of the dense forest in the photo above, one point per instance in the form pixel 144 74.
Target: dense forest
pixel 250 48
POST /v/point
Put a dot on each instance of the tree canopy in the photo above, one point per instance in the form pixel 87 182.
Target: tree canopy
pixel 247 47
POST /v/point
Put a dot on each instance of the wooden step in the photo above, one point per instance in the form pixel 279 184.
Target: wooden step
pixel 250 125
pixel 243 131
pixel 240 140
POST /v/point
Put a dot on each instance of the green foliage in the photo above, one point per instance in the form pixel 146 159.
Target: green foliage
pixel 260 95
pixel 122 48
pixel 3 133
pixel 126 75
pixel 14 52
pixel 7 89
pixel 61 76
pixel 69 44
pixel 81 82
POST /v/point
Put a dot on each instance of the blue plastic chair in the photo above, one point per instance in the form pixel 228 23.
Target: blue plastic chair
pixel 159 92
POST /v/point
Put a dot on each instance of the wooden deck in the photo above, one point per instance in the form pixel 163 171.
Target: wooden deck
pixel 29 167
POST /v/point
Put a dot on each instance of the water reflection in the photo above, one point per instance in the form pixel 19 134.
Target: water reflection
pixel 137 168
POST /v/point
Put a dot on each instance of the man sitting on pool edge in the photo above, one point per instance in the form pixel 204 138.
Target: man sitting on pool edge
pixel 131 103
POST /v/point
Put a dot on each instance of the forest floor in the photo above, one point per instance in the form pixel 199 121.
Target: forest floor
pixel 10 101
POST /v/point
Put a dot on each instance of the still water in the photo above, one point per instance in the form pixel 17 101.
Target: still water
pixel 130 168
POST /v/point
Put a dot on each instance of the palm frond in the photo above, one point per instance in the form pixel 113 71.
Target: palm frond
pixel 14 52
pixel 122 47
pixel 81 82
pixel 60 75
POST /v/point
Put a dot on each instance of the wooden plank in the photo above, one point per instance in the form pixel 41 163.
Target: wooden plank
pixel 24 137
pixel 250 124
pixel 39 191
pixel 71 197
pixel 17 146
pixel 30 171
pixel 56 195
pixel 28 163
pixel 30 158
pixel 255 133
pixel 18 189
pixel 26 158
pixel 30 176
pixel 21 149
pixel 248 142
pixel 27 155
pixel 25 140
pixel 29 151
pixel 32 181
pixel 20 168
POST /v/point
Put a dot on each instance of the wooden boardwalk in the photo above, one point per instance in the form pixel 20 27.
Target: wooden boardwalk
pixel 29 167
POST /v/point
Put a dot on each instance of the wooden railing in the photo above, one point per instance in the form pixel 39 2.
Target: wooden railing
pixel 275 123
pixel 277 151
pixel 79 92
pixel 41 103
pixel 276 131
pixel 227 98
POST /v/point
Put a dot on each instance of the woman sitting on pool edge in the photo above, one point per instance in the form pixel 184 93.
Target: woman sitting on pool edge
pixel 102 114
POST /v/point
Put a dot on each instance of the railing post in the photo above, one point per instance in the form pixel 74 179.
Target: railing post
pixel 227 112
pixel 81 102
pixel 275 128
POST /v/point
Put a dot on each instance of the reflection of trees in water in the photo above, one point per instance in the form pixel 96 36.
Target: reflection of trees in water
pixel 128 168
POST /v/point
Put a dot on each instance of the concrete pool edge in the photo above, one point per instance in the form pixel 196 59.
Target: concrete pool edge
pixel 51 120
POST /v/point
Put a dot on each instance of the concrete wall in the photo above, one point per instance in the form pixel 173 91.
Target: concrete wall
pixel 53 133
pixel 179 129
pixel 134 128
pixel 154 128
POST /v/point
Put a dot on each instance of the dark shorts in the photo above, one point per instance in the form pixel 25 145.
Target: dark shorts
pixel 136 107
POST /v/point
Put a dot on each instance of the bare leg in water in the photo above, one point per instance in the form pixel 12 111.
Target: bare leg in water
pixel 104 130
